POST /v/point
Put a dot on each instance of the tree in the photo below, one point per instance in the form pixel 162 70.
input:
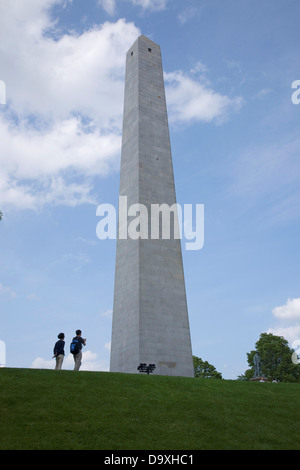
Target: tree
pixel 276 359
pixel 1 215
pixel 204 369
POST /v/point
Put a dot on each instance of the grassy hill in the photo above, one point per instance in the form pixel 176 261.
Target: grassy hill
pixel 45 409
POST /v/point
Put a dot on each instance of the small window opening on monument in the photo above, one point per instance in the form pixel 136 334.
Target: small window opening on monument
pixel 149 49
pixel 131 52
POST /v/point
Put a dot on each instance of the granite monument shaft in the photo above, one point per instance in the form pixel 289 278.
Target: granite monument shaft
pixel 150 317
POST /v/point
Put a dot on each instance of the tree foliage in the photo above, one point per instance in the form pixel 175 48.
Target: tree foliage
pixel 204 369
pixel 276 359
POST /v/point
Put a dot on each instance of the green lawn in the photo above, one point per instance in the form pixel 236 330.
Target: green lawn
pixel 47 409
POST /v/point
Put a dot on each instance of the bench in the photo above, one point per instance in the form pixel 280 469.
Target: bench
pixel 146 368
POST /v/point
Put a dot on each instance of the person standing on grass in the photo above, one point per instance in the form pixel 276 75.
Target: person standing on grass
pixel 78 356
pixel 59 351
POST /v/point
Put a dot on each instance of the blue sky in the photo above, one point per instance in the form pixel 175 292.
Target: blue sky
pixel 229 67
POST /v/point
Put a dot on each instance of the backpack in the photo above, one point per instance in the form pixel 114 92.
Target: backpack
pixel 74 346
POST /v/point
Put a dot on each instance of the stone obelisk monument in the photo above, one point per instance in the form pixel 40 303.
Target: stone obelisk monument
pixel 150 318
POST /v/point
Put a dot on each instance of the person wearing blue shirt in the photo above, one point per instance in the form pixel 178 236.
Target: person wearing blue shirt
pixel 59 351
pixel 78 356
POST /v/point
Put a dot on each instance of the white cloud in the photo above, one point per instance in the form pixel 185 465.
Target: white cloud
pixel 156 5
pixel 36 166
pixel 75 73
pixel 287 314
pixel 289 311
pixel 107 313
pixel 90 362
pixel 6 290
pixel 263 92
pixel 32 153
pixel 40 363
pixel 108 5
pixel 62 121
pixel 187 14
pixel 192 99
pixel 290 333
